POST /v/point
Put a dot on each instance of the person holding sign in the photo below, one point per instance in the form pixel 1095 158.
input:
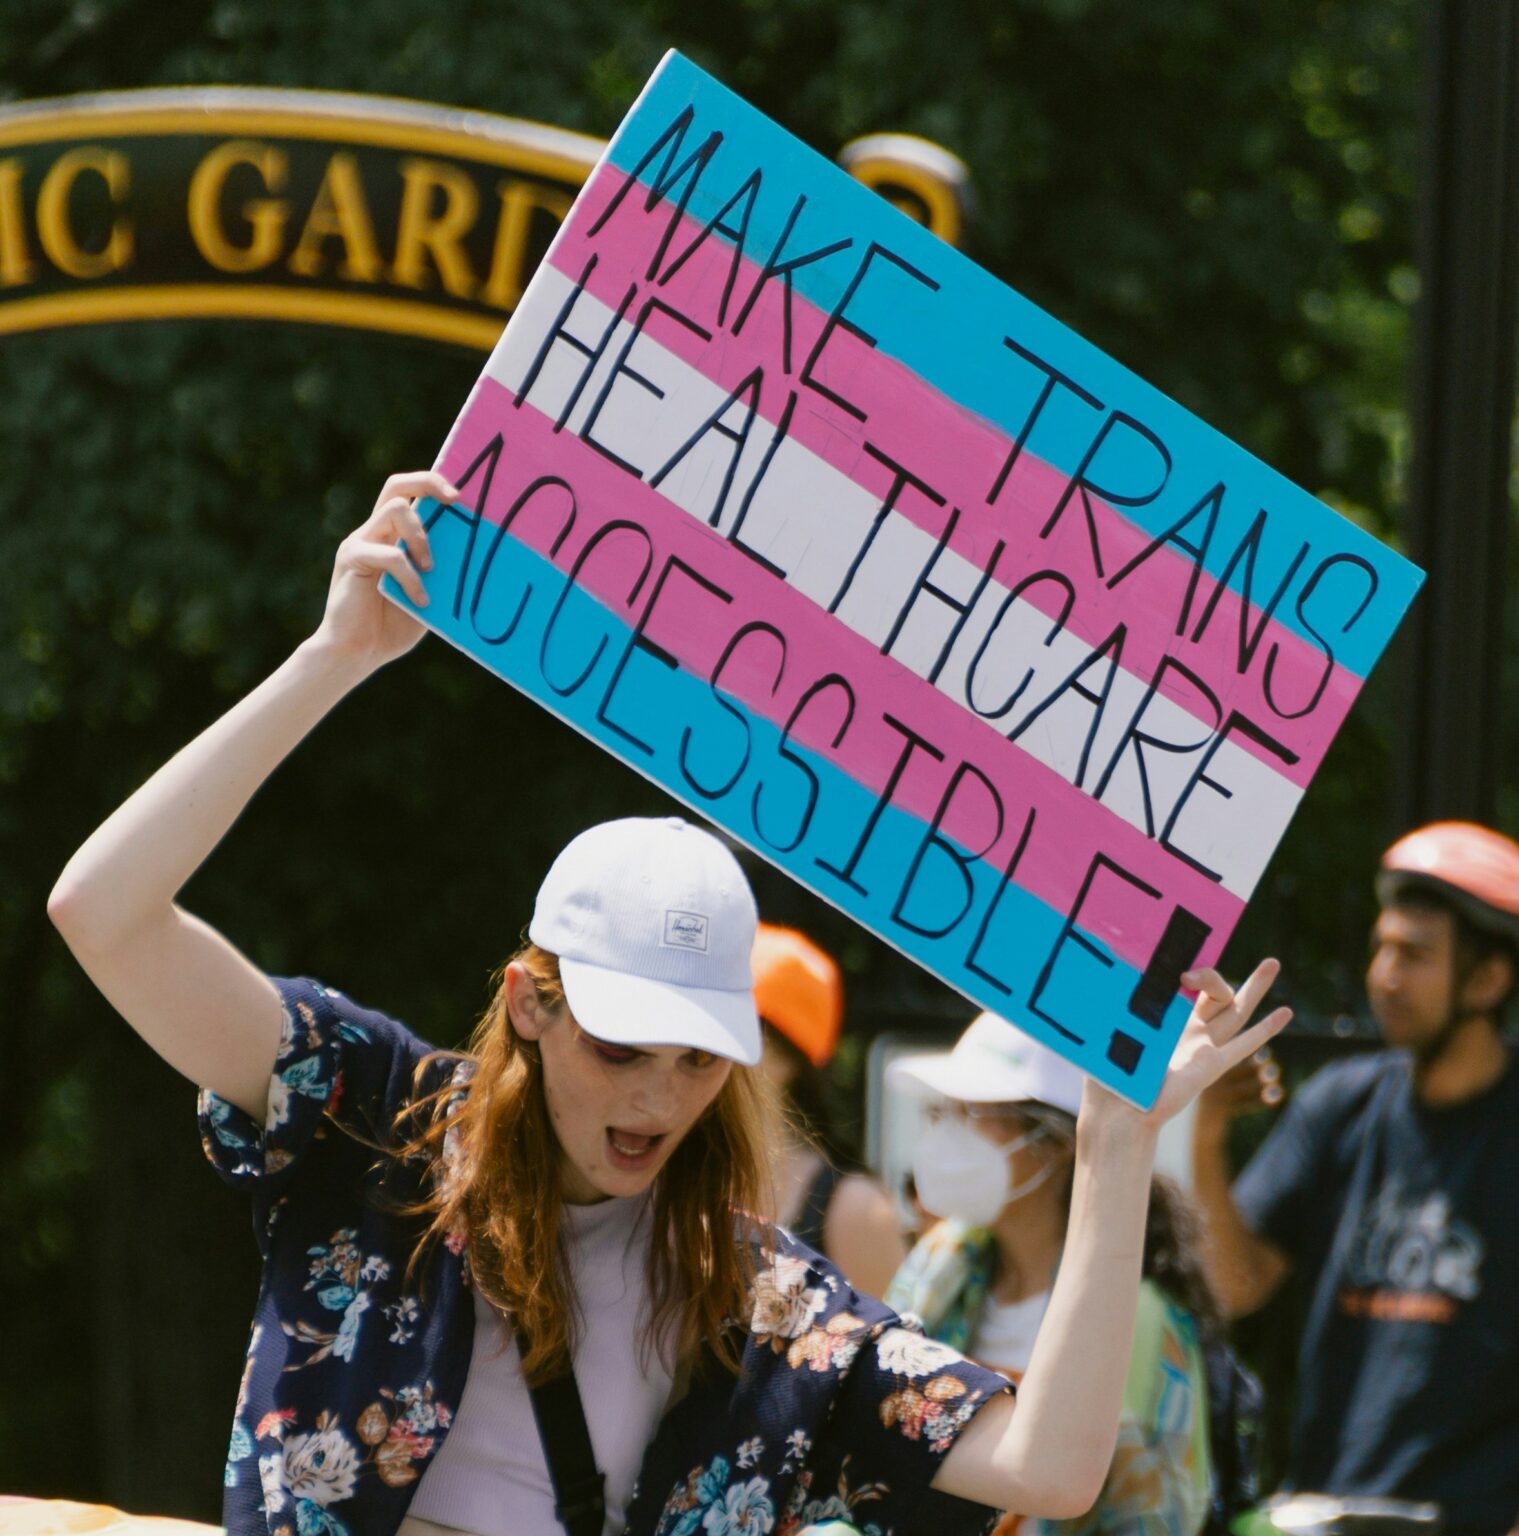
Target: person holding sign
pixel 1388 1190
pixel 823 1202
pixel 453 1242
pixel 997 1163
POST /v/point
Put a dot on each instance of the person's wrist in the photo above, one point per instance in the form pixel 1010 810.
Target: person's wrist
pixel 1110 1128
pixel 321 655
pixel 1210 1128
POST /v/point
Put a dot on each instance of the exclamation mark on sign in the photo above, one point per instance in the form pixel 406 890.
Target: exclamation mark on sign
pixel 1185 935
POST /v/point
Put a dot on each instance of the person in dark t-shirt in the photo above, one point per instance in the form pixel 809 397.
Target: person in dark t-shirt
pixel 1390 1190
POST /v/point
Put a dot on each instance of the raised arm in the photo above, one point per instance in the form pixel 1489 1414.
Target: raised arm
pixel 1047 1452
pixel 185 989
pixel 1244 1269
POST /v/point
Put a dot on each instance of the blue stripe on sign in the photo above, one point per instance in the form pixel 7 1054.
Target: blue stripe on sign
pixel 659 704
pixel 953 340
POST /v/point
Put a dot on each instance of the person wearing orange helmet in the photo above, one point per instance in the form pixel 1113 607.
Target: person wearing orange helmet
pixel 1388 1192
pixel 837 1210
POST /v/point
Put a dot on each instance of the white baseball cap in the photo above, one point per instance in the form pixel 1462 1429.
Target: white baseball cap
pixel 993 1062
pixel 653 923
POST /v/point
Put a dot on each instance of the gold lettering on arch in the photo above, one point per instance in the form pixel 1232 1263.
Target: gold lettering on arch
pixel 265 216
pixel 315 208
pixel 55 229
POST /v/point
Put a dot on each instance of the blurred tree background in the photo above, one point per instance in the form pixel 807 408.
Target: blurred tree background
pixel 1218 192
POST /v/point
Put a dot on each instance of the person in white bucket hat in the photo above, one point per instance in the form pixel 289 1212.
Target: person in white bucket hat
pixel 996 1162
pixel 454 1242
pixel 996 1078
pixel 993 1062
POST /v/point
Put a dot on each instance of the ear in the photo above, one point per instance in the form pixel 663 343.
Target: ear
pixel 1488 984
pixel 529 1017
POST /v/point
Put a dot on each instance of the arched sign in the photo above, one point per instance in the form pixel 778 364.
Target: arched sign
pixel 318 207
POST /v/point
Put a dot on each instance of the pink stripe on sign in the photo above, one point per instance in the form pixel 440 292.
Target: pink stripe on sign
pixel 923 427
pixel 695 626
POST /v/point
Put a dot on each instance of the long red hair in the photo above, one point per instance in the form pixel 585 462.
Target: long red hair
pixel 498 1183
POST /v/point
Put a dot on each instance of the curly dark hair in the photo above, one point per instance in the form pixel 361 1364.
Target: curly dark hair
pixel 1173 1237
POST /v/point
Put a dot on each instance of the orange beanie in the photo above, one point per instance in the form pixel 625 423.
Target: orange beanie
pixel 797 988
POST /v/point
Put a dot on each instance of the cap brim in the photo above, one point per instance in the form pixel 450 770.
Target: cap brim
pixel 632 1010
pixel 937 1073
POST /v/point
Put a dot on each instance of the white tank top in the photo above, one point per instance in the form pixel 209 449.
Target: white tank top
pixel 1005 1333
pixel 489 1476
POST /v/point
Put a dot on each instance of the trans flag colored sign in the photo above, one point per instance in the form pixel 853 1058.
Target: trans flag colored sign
pixel 870 561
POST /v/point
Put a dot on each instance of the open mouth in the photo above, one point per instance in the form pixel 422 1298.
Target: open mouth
pixel 631 1150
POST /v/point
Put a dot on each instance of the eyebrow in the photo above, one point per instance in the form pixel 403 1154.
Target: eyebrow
pixel 636 1051
pixel 608 1045
pixel 1418 946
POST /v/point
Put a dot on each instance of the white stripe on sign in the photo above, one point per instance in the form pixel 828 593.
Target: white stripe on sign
pixel 811 521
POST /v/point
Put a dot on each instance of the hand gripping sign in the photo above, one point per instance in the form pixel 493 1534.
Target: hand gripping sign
pixel 864 557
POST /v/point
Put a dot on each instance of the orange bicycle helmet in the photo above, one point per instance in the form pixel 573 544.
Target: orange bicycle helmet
pixel 798 990
pixel 1474 868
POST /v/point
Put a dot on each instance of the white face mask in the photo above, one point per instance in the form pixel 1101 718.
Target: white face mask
pixel 962 1174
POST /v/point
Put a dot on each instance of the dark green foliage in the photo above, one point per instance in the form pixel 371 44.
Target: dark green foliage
pixel 1216 191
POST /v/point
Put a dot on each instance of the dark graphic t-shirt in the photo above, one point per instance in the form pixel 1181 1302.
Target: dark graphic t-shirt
pixel 1403 1223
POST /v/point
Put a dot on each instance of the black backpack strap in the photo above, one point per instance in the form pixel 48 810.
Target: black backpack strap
pixel 1236 1410
pixel 580 1503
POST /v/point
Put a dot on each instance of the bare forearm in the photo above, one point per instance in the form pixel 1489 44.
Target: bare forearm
pixel 1052 1454
pixel 1072 1393
pixel 1243 1269
pixel 127 873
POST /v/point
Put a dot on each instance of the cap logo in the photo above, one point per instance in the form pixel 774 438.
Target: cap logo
pixel 685 930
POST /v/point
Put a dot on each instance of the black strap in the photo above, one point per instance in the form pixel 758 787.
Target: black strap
pixel 580 1503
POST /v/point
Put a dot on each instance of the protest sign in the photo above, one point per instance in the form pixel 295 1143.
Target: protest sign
pixel 876 565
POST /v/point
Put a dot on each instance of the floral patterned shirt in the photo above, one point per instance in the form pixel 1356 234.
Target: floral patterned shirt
pixel 841 1410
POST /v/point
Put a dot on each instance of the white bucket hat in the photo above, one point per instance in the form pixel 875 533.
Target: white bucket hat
pixel 993 1062
pixel 653 923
